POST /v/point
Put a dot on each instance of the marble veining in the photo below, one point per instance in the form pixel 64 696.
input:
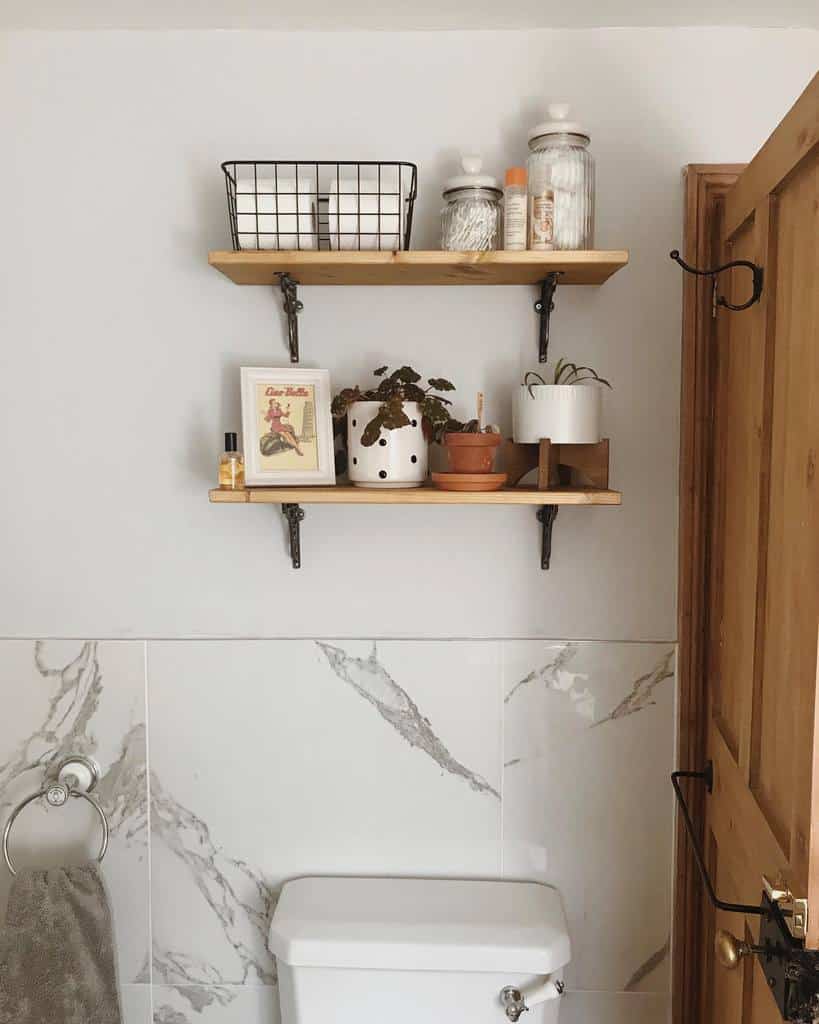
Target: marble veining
pixel 589 809
pixel 555 675
pixel 641 694
pixel 65 728
pixel 72 705
pixel 370 680
pixel 197 997
pixel 165 1014
pixel 195 1005
pixel 651 964
pixel 68 729
pixel 235 892
pixel 209 963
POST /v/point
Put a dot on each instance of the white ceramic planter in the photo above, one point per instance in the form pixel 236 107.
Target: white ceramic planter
pixel 565 413
pixel 399 458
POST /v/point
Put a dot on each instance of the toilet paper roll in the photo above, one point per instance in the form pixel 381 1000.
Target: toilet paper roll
pixel 274 214
pixel 359 217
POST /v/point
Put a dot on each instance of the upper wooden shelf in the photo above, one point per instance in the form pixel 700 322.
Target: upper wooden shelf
pixel 418 267
pixel 349 495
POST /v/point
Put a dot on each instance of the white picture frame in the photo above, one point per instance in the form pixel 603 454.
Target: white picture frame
pixel 287 426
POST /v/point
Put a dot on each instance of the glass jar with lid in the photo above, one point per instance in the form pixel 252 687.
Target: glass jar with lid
pixel 561 184
pixel 471 218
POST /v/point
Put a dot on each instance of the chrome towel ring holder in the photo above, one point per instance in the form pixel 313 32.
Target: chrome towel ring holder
pixel 76 777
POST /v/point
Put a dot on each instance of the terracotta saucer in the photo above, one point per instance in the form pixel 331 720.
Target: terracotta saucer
pixel 469 481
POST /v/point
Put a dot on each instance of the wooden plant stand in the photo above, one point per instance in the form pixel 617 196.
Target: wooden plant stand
pixel 558 465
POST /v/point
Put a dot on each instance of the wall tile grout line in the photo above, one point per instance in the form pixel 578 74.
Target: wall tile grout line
pixel 150 851
pixel 253 638
pixel 502 690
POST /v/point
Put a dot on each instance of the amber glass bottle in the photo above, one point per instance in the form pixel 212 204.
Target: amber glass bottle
pixel 231 466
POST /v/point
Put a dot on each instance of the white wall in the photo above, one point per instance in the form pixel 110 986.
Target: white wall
pixel 121 348
pixel 119 373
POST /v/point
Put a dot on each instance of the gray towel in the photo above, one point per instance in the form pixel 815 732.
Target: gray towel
pixel 57 951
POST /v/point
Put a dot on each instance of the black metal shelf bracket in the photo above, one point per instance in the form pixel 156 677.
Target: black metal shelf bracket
pixel 292 307
pixel 756 271
pixel 546 517
pixel 544 307
pixel 294 515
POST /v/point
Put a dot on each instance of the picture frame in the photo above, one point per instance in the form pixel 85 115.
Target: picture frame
pixel 287 426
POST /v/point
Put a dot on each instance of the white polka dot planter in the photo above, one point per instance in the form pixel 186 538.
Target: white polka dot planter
pixel 399 458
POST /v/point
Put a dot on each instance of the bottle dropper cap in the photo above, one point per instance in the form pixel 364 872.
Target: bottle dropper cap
pixel 230 442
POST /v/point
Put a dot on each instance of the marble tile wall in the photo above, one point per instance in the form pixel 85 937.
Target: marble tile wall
pixel 230 766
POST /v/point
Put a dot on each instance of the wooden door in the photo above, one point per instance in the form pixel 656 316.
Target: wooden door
pixel 749 559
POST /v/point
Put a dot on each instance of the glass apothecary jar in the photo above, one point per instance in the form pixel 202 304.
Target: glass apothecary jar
pixel 561 184
pixel 471 220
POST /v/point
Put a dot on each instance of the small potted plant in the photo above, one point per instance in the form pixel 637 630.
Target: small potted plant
pixel 387 428
pixel 469 446
pixel 566 410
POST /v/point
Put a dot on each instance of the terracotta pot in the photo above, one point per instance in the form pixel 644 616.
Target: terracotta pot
pixel 471 453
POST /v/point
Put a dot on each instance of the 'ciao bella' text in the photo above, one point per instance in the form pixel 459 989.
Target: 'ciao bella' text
pixel 288 392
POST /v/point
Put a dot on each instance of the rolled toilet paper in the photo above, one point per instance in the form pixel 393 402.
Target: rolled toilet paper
pixel 275 214
pixel 362 217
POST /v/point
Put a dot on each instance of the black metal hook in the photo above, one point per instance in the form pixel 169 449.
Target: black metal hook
pixel 756 270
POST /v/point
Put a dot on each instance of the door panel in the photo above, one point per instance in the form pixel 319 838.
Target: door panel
pixel 758 603
pixel 740 366
pixel 782 772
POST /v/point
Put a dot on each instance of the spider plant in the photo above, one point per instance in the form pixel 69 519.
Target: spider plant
pixel 567 373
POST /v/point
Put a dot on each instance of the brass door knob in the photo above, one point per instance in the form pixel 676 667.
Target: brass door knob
pixel 729 949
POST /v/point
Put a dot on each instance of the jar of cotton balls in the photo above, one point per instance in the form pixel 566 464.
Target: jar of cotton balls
pixel 471 218
pixel 561 183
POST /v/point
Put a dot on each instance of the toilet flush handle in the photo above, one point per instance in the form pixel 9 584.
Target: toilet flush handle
pixel 517 1002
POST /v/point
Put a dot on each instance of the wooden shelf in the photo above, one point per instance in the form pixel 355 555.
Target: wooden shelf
pixel 590 267
pixel 348 495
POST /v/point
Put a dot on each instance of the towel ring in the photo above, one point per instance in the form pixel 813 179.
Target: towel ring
pixel 76 776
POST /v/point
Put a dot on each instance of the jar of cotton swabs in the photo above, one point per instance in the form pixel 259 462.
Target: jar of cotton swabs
pixel 471 218
pixel 561 184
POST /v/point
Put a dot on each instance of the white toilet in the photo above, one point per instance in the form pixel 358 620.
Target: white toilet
pixel 418 951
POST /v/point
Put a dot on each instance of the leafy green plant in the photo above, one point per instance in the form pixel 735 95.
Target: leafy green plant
pixel 567 373
pixel 392 391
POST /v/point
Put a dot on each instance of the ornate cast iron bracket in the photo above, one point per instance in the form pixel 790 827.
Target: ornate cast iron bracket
pixel 292 307
pixel 294 515
pixel 546 517
pixel 756 270
pixel 791 970
pixel 544 307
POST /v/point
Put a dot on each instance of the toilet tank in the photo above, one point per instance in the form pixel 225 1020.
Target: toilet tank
pixel 417 951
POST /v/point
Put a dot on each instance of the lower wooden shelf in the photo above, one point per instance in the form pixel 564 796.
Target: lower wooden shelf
pixel 291 500
pixel 342 494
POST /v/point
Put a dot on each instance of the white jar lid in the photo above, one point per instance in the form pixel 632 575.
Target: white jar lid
pixel 558 124
pixel 472 177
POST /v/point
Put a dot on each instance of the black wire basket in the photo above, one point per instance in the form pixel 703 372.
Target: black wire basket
pixel 320 204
